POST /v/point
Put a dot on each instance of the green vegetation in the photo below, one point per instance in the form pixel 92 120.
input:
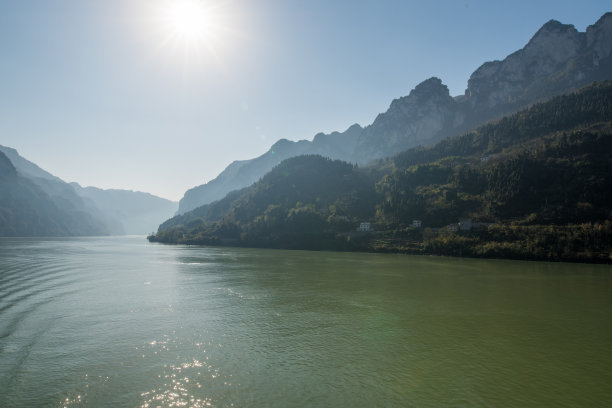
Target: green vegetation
pixel 534 185
pixel 304 202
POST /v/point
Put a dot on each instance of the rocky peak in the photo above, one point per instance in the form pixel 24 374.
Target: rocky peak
pixel 554 43
pixel 553 26
pixel 498 83
pixel 599 37
pixel 430 91
pixel 431 88
pixel 281 145
pixel 354 128
pixel 319 136
pixel 415 119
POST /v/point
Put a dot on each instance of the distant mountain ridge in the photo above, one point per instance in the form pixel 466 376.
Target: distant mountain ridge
pixel 27 210
pixel 137 212
pixel 557 60
pixel 69 209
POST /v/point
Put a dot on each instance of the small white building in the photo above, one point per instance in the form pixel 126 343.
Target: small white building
pixel 465 224
pixel 453 227
pixel 417 223
pixel 365 227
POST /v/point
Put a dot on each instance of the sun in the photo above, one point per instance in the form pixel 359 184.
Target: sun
pixel 193 33
pixel 188 20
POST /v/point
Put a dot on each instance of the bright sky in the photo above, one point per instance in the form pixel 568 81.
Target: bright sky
pixel 132 94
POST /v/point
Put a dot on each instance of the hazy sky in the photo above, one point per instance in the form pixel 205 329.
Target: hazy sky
pixel 106 93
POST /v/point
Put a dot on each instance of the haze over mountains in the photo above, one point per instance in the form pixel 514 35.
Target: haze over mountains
pixel 26 210
pixel 558 59
pixel 34 202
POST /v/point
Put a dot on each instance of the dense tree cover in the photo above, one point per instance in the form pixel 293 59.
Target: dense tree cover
pixel 535 185
pixel 590 242
pixel 560 178
pixel 304 202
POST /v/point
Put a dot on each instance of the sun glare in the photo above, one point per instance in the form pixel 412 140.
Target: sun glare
pixel 193 33
pixel 188 20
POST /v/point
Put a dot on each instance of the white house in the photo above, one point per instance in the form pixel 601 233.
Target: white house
pixel 417 223
pixel 365 227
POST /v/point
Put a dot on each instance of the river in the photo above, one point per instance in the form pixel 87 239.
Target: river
pixel 120 322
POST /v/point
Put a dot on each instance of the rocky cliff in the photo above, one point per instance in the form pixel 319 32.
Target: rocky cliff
pixel 558 59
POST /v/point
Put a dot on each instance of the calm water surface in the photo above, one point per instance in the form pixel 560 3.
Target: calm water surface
pixel 119 322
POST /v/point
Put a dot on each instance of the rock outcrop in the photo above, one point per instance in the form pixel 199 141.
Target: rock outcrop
pixel 427 114
pixel 558 59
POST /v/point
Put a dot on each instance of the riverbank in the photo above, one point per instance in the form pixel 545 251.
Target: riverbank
pixel 590 242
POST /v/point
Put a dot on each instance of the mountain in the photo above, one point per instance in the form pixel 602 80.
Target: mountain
pixel 243 173
pixel 557 60
pixel 27 210
pixel 26 168
pixel 533 185
pixel 136 213
pixel 283 208
pixel 94 211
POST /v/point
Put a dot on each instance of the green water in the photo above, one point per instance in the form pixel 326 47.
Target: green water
pixel 119 322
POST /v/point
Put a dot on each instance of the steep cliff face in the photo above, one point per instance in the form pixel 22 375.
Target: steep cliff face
pixel 425 115
pixel 501 82
pixel 599 39
pixel 558 59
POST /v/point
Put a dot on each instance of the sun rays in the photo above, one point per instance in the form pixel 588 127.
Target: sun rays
pixel 191 31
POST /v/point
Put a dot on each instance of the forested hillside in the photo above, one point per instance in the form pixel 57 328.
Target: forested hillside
pixel 534 185
pixel 301 203
pixel 27 210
